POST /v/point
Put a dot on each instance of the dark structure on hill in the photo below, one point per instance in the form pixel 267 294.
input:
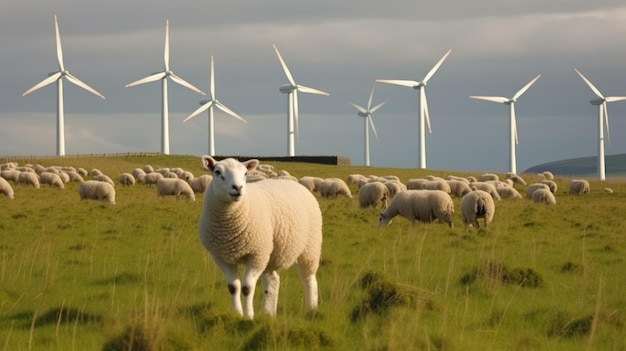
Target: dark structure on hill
pixel 326 160
pixel 583 166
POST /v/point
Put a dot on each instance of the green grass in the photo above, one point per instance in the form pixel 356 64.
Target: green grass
pixel 85 275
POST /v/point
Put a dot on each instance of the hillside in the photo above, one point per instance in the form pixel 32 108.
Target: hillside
pixel 583 166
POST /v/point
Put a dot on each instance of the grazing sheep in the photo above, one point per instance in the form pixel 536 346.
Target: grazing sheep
pixel 186 176
pixel 6 189
pixel 75 176
pixel 95 172
pixel 579 187
pixel 176 187
pixel 137 172
pixel 551 184
pixel 426 184
pixel 394 187
pixel 268 226
pixel 310 182
pixel 103 178
pixel 419 205
pixel 477 204
pixel 126 179
pixel 152 178
pixel 488 187
pixel 543 196
pixel 373 194
pixel 199 184
pixel 332 187
pixel 488 176
pixel 148 169
pixel 547 175
pixel 461 179
pixel 516 179
pixel 29 178
pixel 170 174
pixel 10 174
pixel 458 188
pixel 83 172
pixel 533 187
pixel 97 190
pixel 65 178
pixel 52 179
pixel 507 192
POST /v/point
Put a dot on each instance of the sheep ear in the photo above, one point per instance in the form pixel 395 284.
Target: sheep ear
pixel 208 163
pixel 251 164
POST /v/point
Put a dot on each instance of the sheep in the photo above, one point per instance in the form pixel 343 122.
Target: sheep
pixel 394 187
pixel 83 172
pixel 488 187
pixel 52 179
pixel 551 184
pixel 186 176
pixel 126 179
pixel 10 174
pixel 137 172
pixel 461 179
pixel 6 189
pixel 477 204
pixel 579 187
pixel 373 194
pixel 507 192
pixel 534 186
pixel 148 169
pixel 95 172
pixel 458 188
pixel 65 178
pixel 354 178
pixel 332 187
pixel 310 182
pixel 419 205
pixel 176 187
pixel 426 184
pixel 97 190
pixel 29 178
pixel 516 179
pixel 199 184
pixel 268 225
pixel 547 175
pixel 152 178
pixel 543 196
pixel 75 176
pixel 488 176
pixel 103 178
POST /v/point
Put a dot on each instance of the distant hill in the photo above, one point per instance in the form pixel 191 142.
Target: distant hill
pixel 583 166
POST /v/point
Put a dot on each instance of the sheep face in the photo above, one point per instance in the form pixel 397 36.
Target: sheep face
pixel 383 220
pixel 229 176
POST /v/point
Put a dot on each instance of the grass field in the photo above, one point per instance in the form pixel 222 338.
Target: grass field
pixel 85 275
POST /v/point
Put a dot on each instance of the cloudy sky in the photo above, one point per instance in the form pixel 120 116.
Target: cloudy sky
pixel 339 47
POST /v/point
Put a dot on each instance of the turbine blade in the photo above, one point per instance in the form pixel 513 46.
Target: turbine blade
pixel 43 83
pixel 295 113
pixel 523 90
pixel 212 86
pixel 359 108
pixel 498 99
pixel 150 78
pixel 615 98
pixel 593 88
pixel 82 84
pixel 425 109
pixel 436 67
pixel 308 90
pixel 166 52
pixel 199 110
pixel 606 121
pixel 184 83
pixel 369 119
pixel 229 111
pixel 58 41
pixel 369 102
pixel 514 122
pixel 404 83
pixel 285 69
pixel 373 109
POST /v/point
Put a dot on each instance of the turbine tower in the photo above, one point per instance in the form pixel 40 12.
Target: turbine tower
pixel 367 114
pixel 603 114
pixel 208 104
pixel 58 77
pixel 291 90
pixel 166 73
pixel 423 108
pixel 512 122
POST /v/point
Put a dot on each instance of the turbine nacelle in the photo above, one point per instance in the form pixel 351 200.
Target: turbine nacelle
pixel 597 101
pixel 287 88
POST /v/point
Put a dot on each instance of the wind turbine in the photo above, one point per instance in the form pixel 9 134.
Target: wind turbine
pixel 166 73
pixel 291 90
pixel 512 121
pixel 367 114
pixel 423 109
pixel 208 104
pixel 58 77
pixel 603 114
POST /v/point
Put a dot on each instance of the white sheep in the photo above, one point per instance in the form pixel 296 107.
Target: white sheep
pixel 543 196
pixel 516 179
pixel 551 184
pixel 419 205
pixel 394 187
pixel 95 172
pixel 176 187
pixel 10 174
pixel 458 187
pixel 488 176
pixel 310 182
pixel 373 194
pixel 52 179
pixel 579 187
pixel 29 178
pixel 488 187
pixel 126 179
pixel 6 189
pixel 533 187
pixel 148 169
pixel 477 204
pixel 268 225
pixel 355 178
pixel 103 178
pixel 152 178
pixel 547 175
pixel 199 184
pixel 75 176
pixel 507 192
pixel 427 184
pixel 97 190
pixel 332 187
pixel 137 172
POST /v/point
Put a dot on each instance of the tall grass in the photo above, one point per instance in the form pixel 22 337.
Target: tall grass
pixel 85 275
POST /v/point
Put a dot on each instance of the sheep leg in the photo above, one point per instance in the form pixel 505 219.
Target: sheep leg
pixel 250 277
pixel 309 283
pixel 234 284
pixel 271 284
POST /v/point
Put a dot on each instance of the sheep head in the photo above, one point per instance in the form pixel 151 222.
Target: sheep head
pixel 229 176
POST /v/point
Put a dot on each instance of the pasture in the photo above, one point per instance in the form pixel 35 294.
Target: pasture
pixel 86 275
